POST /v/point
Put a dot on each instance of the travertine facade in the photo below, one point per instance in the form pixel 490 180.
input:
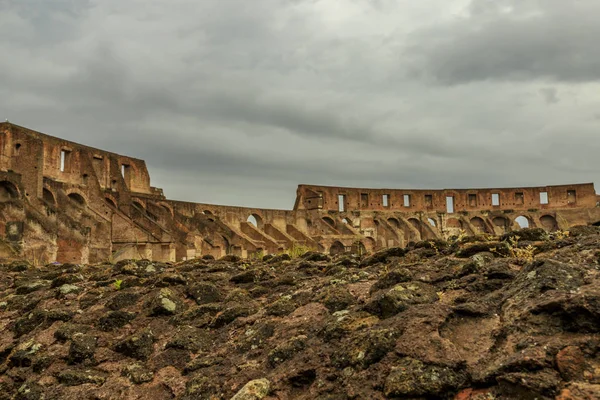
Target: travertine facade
pixel 62 201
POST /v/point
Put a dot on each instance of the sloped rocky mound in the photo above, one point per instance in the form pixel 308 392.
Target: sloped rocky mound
pixel 478 318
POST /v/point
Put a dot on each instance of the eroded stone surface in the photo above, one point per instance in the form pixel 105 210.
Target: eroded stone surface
pixel 407 323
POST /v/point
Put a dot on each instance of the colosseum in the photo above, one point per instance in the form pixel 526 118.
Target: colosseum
pixel 66 202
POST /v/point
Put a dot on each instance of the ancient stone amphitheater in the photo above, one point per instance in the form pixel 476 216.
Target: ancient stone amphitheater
pixel 66 202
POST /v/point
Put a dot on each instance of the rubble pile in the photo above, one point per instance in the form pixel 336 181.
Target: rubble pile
pixel 483 317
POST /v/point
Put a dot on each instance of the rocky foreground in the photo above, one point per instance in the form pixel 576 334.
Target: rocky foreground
pixel 516 317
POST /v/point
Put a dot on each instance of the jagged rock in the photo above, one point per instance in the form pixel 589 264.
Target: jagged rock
pixel 65 279
pixel 29 322
pixel 536 384
pixel 584 230
pixel 139 345
pixel 287 350
pixel 24 354
pixel 122 300
pixel 115 320
pixel 313 256
pixel 383 256
pixel 230 258
pixel 366 348
pixel 571 364
pixel 75 377
pixel 281 307
pixel 257 336
pixel 231 313
pixel 68 289
pixel 279 258
pixel 191 339
pixel 170 279
pixel 66 331
pixel 337 298
pixel 344 322
pixel 204 293
pixel 30 391
pixel 529 234
pixel 579 391
pixel 32 287
pixel 251 275
pixel 82 348
pixel 166 302
pixel 254 390
pixel 411 377
pixel 400 297
pixel 18 266
pixel 391 278
pixel 498 248
pixel 202 387
pixel 137 373
pixel 202 362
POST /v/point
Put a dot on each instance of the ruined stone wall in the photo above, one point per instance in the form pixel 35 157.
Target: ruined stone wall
pixel 62 201
pixel 407 200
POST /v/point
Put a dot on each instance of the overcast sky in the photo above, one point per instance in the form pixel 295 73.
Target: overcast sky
pixel 238 101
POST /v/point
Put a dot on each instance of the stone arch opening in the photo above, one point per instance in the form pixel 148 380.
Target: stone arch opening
pixel 139 205
pixel 255 220
pixel 432 222
pixel 370 244
pixel 110 202
pixel 549 223
pixel 337 248
pixel 165 207
pixel 359 248
pixel 479 224
pixel 48 197
pixel 77 198
pixel 226 245
pixel 207 212
pixel 394 222
pixel 501 223
pixel 329 221
pixel 8 191
pixel 347 221
pixel 522 221
pixel 454 223
pixel 416 223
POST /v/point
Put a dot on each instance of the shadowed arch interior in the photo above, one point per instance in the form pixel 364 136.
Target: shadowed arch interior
pixel 8 191
pixel 549 223
pixel 337 248
pixel 77 198
pixel 48 197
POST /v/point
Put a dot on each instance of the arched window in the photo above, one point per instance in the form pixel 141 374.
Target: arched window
pixel 255 220
pixel 336 248
pixel 522 221
pixel 48 197
pixel 77 198
pixel 8 191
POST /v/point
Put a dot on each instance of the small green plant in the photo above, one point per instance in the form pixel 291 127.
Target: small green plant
pixel 560 235
pixel 259 255
pixel 296 250
pixel 523 255
pixel 117 284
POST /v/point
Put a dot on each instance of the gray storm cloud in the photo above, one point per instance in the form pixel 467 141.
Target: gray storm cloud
pixel 237 102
